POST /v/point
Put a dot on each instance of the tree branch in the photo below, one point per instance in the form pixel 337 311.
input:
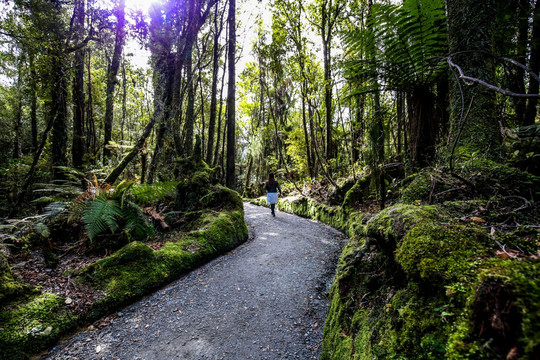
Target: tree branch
pixel 489 86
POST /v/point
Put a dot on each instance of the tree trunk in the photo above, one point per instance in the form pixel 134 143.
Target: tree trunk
pixel 423 126
pixel 213 96
pixel 326 34
pixel 91 136
pixel 33 103
pixel 231 101
pixel 58 105
pixel 124 100
pixel 17 126
pixel 190 110
pixel 78 143
pixel 111 77
pixel 162 106
pixel 534 65
pixel 470 42
pixel 305 128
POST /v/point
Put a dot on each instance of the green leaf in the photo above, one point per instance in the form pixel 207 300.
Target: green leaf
pixel 101 215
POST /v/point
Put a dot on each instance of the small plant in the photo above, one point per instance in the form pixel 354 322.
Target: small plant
pixel 103 208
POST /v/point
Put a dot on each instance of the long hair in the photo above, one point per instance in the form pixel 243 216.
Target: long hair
pixel 271 179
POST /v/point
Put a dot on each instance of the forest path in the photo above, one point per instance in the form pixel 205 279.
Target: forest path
pixel 267 299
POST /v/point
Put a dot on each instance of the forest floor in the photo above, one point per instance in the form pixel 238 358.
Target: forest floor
pixel 266 299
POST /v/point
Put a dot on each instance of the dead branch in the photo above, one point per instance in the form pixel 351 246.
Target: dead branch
pixel 486 84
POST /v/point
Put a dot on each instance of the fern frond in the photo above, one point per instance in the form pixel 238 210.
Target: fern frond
pixel 149 194
pixel 121 189
pixel 136 226
pixel 402 45
pixel 101 215
pixel 55 208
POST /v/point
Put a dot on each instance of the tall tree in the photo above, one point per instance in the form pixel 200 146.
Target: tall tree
pixel 112 72
pixel 218 26
pixel 470 41
pixel 231 100
pixel 78 143
pixel 326 19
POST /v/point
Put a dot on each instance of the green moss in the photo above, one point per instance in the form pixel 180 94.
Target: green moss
pixel 392 223
pixel 356 194
pixel 136 269
pixel 9 288
pixel 222 197
pixel 433 252
pixel 412 281
pixel 418 189
pixel 31 324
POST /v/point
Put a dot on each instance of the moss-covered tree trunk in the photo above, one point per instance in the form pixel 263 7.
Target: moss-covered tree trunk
pixel 111 76
pixel 470 41
pixel 78 148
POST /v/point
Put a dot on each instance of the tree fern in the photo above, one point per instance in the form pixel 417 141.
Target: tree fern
pixel 406 45
pixel 411 43
pixel 101 215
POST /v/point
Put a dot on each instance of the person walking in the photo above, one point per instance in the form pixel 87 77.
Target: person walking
pixel 272 187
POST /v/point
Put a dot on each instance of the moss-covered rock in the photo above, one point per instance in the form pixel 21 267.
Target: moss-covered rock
pixel 36 320
pixel 426 282
pixel 355 195
pixel 32 323
pixel 136 269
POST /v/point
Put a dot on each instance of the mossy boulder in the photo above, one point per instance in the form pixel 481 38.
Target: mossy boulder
pixel 32 323
pixel 136 269
pixel 481 179
pixel 429 282
pixel 355 195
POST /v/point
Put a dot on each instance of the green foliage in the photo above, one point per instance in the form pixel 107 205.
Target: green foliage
pixel 113 209
pixel 412 43
pixel 148 194
pixel 101 215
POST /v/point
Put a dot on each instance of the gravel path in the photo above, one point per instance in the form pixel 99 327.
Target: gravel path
pixel 267 299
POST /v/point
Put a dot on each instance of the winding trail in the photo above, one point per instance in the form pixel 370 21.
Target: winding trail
pixel 267 299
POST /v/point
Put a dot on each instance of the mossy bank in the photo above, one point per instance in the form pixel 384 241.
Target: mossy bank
pixel 439 281
pixel 206 220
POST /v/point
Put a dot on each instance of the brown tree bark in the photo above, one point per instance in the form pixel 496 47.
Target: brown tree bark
pixel 231 100
pixel 78 143
pixel 111 76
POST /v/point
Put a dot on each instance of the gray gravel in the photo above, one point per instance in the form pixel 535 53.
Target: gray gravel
pixel 267 299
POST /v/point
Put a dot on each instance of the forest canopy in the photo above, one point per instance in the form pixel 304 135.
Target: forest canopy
pixel 324 89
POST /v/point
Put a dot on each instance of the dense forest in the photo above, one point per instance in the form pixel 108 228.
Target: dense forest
pixel 123 124
pixel 327 90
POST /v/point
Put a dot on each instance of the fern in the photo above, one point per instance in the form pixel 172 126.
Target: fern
pixel 149 194
pixel 136 227
pixel 410 43
pixel 101 215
